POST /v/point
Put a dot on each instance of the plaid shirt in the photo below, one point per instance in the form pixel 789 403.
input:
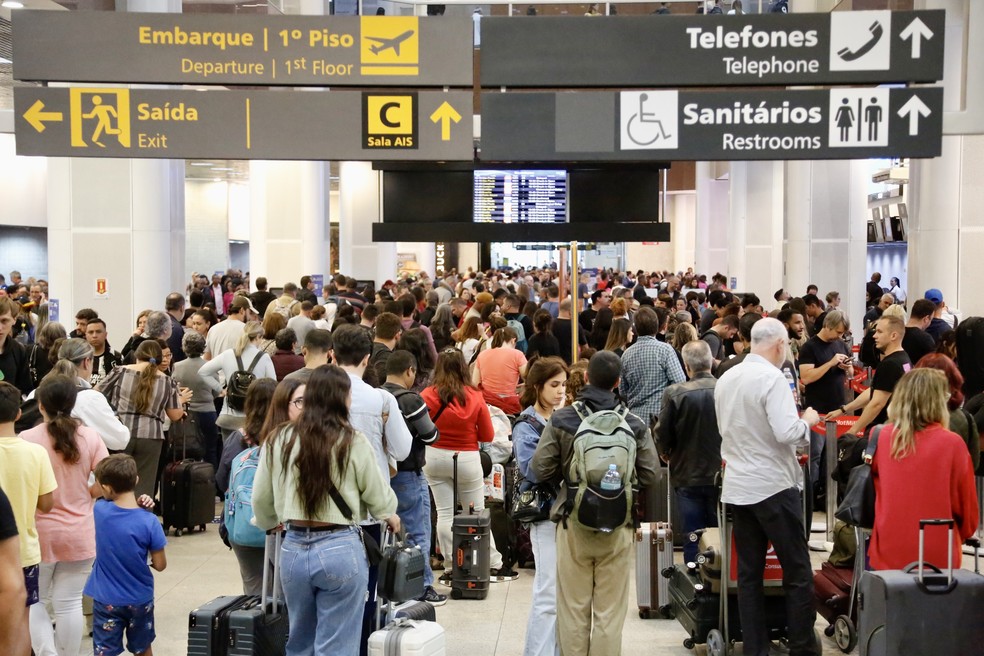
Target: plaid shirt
pixel 648 367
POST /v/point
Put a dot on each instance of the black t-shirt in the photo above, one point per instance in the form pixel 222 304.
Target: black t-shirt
pixel 827 393
pixel 917 343
pixel 8 525
pixel 544 344
pixel 587 318
pixel 874 292
pixel 887 375
pixel 261 300
pixel 14 365
pixel 562 331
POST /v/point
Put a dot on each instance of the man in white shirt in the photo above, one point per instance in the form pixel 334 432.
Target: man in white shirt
pixel 376 414
pixel 760 433
pixel 225 334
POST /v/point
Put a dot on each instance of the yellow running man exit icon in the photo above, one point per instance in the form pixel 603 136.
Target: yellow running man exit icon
pixel 390 45
pixel 98 116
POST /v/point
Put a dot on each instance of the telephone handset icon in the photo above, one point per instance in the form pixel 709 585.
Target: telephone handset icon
pixel 876 30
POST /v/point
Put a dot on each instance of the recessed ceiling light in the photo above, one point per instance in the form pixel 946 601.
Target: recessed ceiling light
pixel 201 163
pixel 12 4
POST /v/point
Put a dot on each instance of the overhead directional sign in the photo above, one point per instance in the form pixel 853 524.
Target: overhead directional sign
pixel 172 123
pixel 671 124
pixel 840 47
pixel 224 49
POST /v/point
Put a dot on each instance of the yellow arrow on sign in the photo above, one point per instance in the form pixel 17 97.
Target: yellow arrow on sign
pixel 444 115
pixel 36 116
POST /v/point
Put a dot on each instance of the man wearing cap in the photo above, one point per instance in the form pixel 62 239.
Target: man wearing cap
pixel 938 325
pixel 225 334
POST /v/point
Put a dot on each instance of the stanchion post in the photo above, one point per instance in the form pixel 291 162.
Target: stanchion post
pixel 830 440
pixel 575 308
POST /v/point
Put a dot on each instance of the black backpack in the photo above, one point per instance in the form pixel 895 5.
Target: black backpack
pixel 780 7
pixel 239 383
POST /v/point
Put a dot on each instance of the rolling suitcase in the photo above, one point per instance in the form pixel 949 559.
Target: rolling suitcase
pixel 921 611
pixel 652 508
pixel 832 591
pixel 401 571
pixel 260 628
pixel 244 625
pixel 408 638
pixel 187 494
pixel 654 556
pixel 471 533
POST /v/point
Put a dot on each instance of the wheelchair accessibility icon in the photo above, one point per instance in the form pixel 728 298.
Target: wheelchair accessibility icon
pixel 649 120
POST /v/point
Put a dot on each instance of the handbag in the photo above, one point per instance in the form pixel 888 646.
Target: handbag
pixel 401 570
pixel 533 504
pixel 858 506
pixel 373 553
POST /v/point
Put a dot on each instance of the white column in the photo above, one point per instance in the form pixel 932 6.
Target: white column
pixel 946 228
pixel 288 220
pixel 359 207
pixel 681 212
pixel 121 220
pixel 826 230
pixel 755 233
pixel 711 227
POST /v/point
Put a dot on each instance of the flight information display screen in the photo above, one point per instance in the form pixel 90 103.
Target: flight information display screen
pixel 520 196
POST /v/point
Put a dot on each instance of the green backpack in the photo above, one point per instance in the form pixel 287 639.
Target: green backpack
pixel 602 439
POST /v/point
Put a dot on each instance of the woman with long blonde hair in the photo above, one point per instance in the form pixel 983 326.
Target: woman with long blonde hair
pixel 921 470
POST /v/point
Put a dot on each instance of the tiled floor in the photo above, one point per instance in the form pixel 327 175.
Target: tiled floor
pixel 200 567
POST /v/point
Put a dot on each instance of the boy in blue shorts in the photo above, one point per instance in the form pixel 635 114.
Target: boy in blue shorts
pixel 121 585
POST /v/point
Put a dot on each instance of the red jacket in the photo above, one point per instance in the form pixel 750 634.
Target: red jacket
pixel 460 428
pixel 934 482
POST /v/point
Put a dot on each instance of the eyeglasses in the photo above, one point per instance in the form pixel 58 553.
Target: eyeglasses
pixel 298 403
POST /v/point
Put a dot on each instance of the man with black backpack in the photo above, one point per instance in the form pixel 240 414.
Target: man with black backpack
pixel 595 473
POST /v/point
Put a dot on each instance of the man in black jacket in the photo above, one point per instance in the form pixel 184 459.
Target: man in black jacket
pixel 409 484
pixel 13 356
pixel 592 566
pixel 688 439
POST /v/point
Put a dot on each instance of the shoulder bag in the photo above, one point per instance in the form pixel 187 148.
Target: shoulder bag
pixel 858 506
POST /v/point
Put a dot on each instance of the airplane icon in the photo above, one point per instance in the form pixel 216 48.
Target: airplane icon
pixel 387 44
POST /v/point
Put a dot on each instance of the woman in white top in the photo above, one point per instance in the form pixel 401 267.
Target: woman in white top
pixel 897 291
pixel 471 339
pixel 248 352
pixel 91 407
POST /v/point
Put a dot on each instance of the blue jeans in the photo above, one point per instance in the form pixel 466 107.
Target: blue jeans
pixel 324 576
pixel 413 507
pixel 698 509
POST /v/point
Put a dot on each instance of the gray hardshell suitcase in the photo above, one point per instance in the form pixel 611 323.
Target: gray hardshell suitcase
pixel 915 613
pixel 654 556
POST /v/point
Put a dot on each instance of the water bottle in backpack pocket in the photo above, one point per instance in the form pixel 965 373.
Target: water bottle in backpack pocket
pixel 239 500
pixel 602 470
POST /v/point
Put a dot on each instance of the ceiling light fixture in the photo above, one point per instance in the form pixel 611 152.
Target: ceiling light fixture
pixel 12 4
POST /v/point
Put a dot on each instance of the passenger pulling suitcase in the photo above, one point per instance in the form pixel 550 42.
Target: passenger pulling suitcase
pixel 187 494
pixel 244 625
pixel 920 611
pixel 471 533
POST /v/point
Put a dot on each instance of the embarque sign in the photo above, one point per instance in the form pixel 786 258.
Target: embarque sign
pixel 330 51
pixel 840 47
pixel 672 124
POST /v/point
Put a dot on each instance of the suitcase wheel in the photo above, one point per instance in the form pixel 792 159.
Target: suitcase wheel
pixel 178 532
pixel 715 644
pixel 689 643
pixel 845 633
pixel 829 631
pixel 666 612
pixel 455 593
pixel 667 572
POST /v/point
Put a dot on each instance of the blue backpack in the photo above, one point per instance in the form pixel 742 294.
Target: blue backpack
pixel 239 500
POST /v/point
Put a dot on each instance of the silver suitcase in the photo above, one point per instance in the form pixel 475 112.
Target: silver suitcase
pixel 654 555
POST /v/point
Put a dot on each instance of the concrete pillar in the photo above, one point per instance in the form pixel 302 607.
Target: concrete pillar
pixel 946 228
pixel 288 220
pixel 118 220
pixel 359 207
pixel 711 229
pixel 755 233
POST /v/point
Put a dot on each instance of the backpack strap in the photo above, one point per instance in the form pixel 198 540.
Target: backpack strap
pixel 239 362
pixel 252 364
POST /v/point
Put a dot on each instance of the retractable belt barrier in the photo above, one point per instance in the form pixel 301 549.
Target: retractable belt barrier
pixel 832 430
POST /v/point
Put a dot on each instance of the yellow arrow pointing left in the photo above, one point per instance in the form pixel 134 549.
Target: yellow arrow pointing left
pixel 36 116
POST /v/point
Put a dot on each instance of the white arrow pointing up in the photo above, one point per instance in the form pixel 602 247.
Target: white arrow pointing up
pixel 913 109
pixel 917 31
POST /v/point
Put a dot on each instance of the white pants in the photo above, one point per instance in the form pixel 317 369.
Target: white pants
pixel 439 471
pixel 541 630
pixel 60 585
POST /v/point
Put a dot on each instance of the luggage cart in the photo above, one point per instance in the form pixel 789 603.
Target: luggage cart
pixel 721 641
pixel 844 628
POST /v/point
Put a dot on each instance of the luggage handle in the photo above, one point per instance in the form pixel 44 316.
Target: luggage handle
pixel 275 573
pixel 454 486
pixel 922 564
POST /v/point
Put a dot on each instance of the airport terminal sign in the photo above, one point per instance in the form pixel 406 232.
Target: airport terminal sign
pixel 663 125
pixel 223 49
pixel 174 123
pixel 841 47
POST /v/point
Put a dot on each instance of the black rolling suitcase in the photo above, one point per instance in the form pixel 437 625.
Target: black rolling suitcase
pixel 471 535
pixel 921 611
pixel 245 625
pixel 187 494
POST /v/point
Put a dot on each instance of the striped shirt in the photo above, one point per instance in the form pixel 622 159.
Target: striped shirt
pixel 120 388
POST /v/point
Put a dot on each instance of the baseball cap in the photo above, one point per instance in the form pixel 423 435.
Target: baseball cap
pixel 934 295
pixel 243 302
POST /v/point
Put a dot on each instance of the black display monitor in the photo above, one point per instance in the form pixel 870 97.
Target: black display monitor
pixel 427 196
pixel 620 195
pixel 520 196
